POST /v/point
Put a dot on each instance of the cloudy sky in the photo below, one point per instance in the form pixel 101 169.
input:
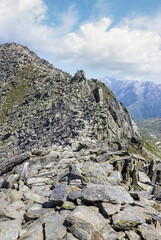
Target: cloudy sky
pixel 120 38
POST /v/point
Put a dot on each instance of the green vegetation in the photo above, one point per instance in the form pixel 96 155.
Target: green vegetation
pixel 150 130
pixel 17 92
pixel 152 148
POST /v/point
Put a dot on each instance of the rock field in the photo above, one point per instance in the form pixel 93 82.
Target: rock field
pixel 67 169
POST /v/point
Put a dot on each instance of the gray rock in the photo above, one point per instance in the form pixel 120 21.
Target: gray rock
pixel 74 172
pixel 35 180
pixel 129 218
pixel 69 236
pixel 132 235
pixel 42 190
pixel 148 232
pixel 103 158
pixel 29 195
pixel 34 207
pixel 54 226
pixel 144 178
pixel 109 209
pixel 109 233
pixel 96 173
pixel 59 193
pixel 146 187
pixel 73 195
pixel 35 214
pixel 112 194
pixel 87 214
pixel 9 230
pixel 82 230
pixel 43 228
pixel 25 171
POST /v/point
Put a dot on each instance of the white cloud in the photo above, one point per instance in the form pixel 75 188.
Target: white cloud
pixel 145 23
pixel 118 48
pixel 128 48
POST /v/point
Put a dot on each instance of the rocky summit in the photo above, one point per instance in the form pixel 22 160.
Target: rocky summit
pixel 68 168
pixel 41 106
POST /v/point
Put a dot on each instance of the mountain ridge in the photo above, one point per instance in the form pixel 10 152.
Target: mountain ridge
pixel 72 161
pixel 41 105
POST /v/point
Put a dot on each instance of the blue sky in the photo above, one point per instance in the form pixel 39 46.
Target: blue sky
pixel 120 38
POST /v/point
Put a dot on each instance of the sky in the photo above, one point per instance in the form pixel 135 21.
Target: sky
pixel 116 38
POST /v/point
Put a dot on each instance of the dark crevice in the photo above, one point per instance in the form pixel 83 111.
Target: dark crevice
pixel 43 231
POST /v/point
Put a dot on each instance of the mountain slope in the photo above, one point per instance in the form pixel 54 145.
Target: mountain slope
pixel 41 105
pixel 67 169
pixel 142 99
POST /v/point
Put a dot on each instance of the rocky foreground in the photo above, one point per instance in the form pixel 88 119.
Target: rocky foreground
pixel 82 191
pixel 67 170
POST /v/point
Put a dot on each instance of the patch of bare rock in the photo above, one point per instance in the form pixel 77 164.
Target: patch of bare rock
pixel 58 193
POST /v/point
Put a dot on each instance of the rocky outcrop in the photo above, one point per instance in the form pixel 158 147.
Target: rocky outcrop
pixel 41 106
pixel 68 193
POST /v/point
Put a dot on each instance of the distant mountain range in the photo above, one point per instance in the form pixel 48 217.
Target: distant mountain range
pixel 142 99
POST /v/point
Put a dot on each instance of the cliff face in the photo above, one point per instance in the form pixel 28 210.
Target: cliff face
pixel 41 106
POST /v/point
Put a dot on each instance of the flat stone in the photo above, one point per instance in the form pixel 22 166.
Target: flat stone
pixel 148 232
pixel 121 235
pixel 144 178
pixel 35 214
pixel 54 226
pixel 88 214
pixel 9 230
pixel 132 235
pixel 129 218
pixel 74 194
pixel 146 187
pixel 42 190
pixel 35 180
pixel 109 209
pixel 112 194
pixel 82 230
pixel 34 207
pixel 97 173
pixel 42 228
pixel 29 195
pixel 15 210
pixel 59 193
pixel 109 233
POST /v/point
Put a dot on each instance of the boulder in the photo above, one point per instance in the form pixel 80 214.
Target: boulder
pixel 129 218
pixel 104 193
pixel 148 232
pixel 89 215
pixel 96 172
